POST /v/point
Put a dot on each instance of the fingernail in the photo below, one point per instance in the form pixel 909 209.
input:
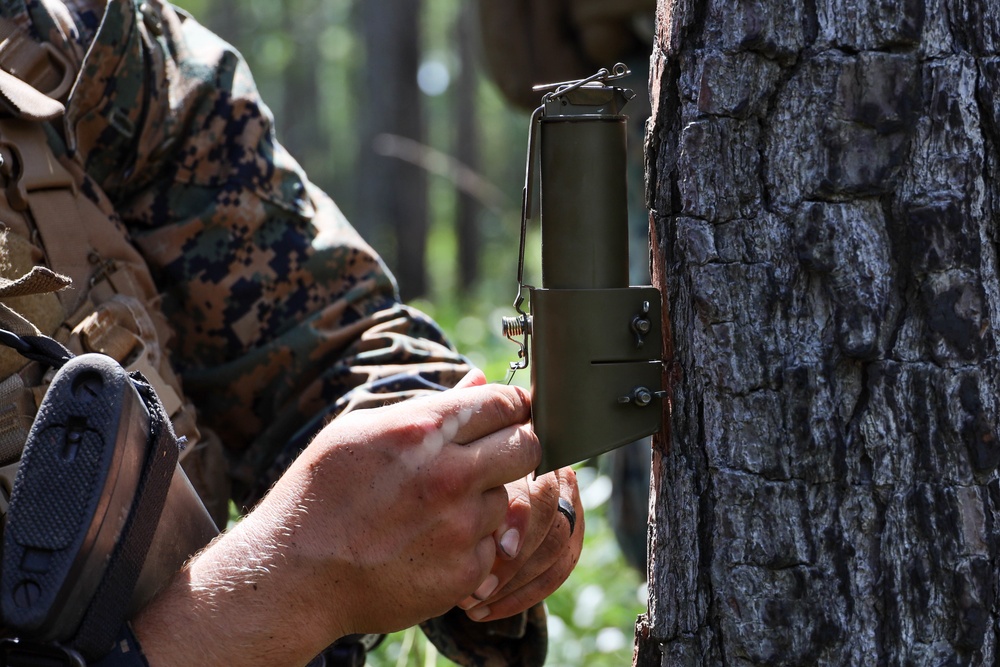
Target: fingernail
pixel 510 542
pixel 488 586
pixel 468 603
pixel 479 613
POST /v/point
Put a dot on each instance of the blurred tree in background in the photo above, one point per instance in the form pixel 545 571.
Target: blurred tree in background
pixel 390 180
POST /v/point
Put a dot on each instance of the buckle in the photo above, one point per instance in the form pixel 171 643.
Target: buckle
pixel 22 653
pixel 63 69
pixel 28 164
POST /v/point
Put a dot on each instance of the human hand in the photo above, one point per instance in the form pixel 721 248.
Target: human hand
pixel 547 553
pixel 386 519
pixel 538 545
pixel 416 535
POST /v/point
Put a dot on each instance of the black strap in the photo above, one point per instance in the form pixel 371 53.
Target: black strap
pixel 349 654
pixel 21 653
pixel 42 349
pixel 125 653
pixel 349 651
pixel 106 614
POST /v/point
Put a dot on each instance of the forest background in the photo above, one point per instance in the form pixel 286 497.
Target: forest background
pixel 387 106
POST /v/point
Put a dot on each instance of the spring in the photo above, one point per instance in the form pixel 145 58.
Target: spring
pixel 515 326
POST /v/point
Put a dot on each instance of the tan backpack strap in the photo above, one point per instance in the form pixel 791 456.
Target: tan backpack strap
pixel 40 65
pixel 23 101
pixel 36 181
pixel 17 410
pixel 17 402
pixel 13 322
pixel 39 280
pixel 33 77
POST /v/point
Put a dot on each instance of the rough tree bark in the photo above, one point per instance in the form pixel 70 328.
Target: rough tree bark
pixel 824 185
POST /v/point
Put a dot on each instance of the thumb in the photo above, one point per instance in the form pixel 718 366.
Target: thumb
pixel 473 378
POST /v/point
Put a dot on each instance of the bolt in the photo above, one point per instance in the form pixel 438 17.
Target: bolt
pixel 643 397
pixel 641 325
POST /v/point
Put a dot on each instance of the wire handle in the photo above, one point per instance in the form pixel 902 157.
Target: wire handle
pixel 619 71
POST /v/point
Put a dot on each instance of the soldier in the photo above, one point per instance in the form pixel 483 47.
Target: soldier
pixel 281 319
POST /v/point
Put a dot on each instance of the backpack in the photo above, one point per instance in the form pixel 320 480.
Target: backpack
pixel 69 274
pixel 94 292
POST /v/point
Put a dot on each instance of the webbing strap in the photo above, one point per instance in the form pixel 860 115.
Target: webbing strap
pixel 17 410
pixel 14 322
pixel 40 280
pixel 63 236
pixel 37 181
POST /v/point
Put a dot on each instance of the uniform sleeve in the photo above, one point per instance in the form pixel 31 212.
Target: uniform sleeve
pixel 283 315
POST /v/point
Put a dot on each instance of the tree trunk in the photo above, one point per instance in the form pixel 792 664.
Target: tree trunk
pixel 228 19
pixel 823 181
pixel 393 193
pixel 298 125
pixel 467 209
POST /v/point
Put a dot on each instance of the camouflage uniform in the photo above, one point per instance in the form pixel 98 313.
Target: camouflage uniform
pixel 283 316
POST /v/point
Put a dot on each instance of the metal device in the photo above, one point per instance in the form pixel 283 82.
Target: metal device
pixel 593 343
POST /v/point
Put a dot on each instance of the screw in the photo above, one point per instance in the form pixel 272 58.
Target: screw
pixel 88 385
pixel 26 593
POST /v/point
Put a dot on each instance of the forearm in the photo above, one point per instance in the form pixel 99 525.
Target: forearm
pixel 244 600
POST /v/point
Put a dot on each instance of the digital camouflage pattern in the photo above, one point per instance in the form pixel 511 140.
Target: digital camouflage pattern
pixel 283 316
